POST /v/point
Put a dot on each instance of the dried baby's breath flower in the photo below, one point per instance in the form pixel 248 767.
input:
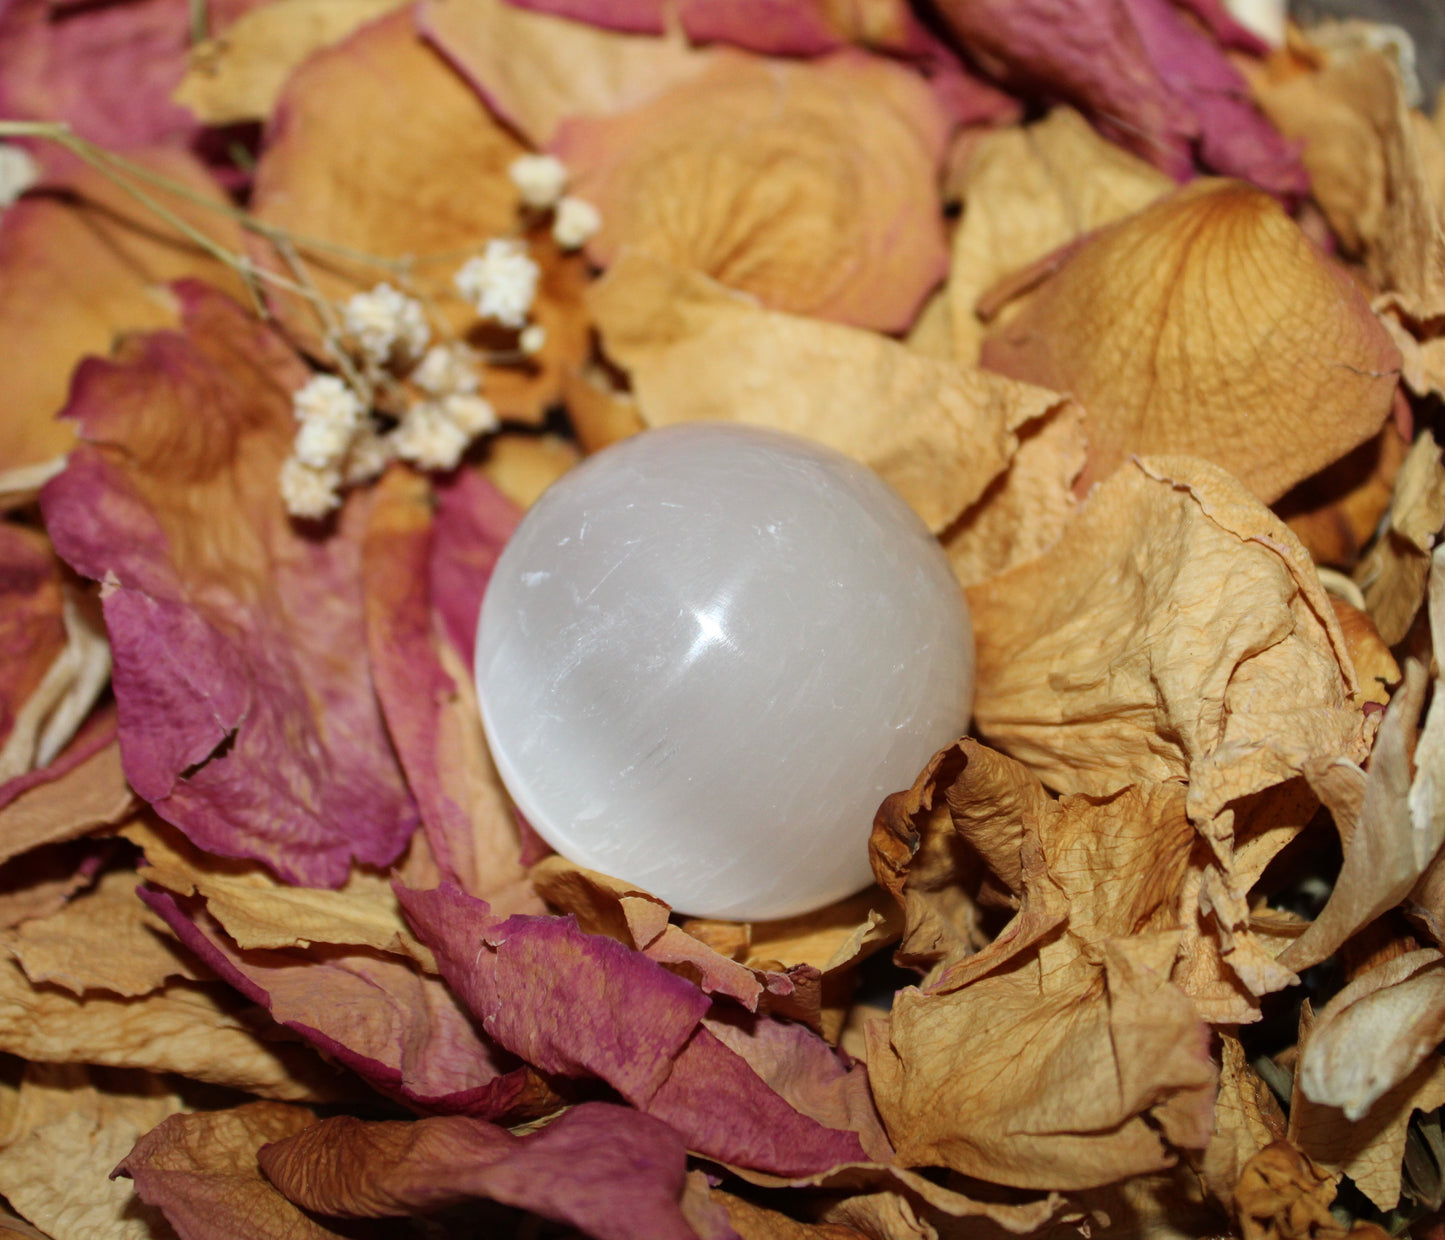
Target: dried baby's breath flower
pixel 325 398
pixel 384 321
pixel 429 437
pixel 532 339
pixel 308 491
pixel 447 369
pixel 322 443
pixel 577 220
pixel 18 172
pixel 540 180
pixel 470 412
pixel 501 282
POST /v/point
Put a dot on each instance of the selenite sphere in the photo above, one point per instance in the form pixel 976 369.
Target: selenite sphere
pixel 707 655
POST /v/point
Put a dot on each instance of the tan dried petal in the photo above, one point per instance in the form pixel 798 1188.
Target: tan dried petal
pixel 91 794
pixel 1369 1152
pixel 1247 1119
pixel 937 432
pixel 1336 512
pixel 811 185
pixel 522 466
pixel 537 70
pixel 1090 667
pixel 1282 1195
pixel 1392 576
pixel 71 1125
pixel 105 939
pixel 239 76
pixel 1028 191
pixel 194 1030
pixel 1374 665
pixel 258 911
pixel 1370 169
pixel 1207 324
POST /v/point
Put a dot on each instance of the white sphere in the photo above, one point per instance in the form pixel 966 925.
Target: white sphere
pixel 705 657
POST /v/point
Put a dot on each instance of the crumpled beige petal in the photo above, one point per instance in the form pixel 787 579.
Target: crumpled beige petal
pixel 1247 1119
pixel 1369 1152
pixel 91 794
pixel 1392 575
pixel 258 911
pixel 536 70
pixel 238 75
pixel 1369 166
pixel 939 433
pixel 1042 1080
pixel 811 185
pixel 1374 1033
pixel 1283 1195
pixel 1091 669
pixel 195 1030
pixel 1207 324
pixel 103 940
pixel 1026 192
pixel 337 168
pixel 68 1126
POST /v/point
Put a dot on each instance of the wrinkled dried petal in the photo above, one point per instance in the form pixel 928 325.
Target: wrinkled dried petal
pixel 104 940
pixel 398 1029
pixel 410 555
pixel 810 185
pixel 107 70
pixel 70 1127
pixel 1207 324
pixel 1089 665
pixel 608 1170
pixel 1369 1152
pixel 583 1005
pixel 1028 191
pixel 1393 575
pixel 201 1171
pixel 239 77
pixel 1247 1119
pixel 1282 1195
pixel 337 167
pixel 79 271
pixel 194 1030
pixel 1044 1080
pixel 938 433
pixel 1150 79
pixel 32 631
pixel 250 734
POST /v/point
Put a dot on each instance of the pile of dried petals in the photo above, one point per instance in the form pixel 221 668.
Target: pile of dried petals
pixel 1147 323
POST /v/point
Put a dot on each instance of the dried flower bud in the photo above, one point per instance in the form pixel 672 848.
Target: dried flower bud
pixel 447 369
pixel 576 221
pixel 472 414
pixel 18 172
pixel 501 282
pixel 532 339
pixel 370 454
pixel 325 398
pixel 429 438
pixel 321 443
pixel 307 491
pixel 384 321
pixel 540 180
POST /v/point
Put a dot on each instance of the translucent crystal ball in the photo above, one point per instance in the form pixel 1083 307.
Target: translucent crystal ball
pixel 705 657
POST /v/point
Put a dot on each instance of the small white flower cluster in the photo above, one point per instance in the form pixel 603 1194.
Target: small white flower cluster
pixel 386 325
pixel 436 431
pixel 18 172
pixel 330 417
pixel 541 181
pixel 501 282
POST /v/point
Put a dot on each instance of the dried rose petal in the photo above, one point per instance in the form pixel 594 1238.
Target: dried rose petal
pixel 399 1030
pixel 608 1170
pixel 32 631
pixel 201 1170
pixel 80 270
pixel 582 1005
pixel 810 185
pixel 1150 79
pixel 1207 324
pixel 238 720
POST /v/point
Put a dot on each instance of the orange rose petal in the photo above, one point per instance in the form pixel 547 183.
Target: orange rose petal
pixel 1207 324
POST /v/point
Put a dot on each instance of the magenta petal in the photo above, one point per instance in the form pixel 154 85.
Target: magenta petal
pixel 613 1173
pixel 627 16
pixel 579 1004
pixel 399 1030
pixel 472 524
pixel 243 690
